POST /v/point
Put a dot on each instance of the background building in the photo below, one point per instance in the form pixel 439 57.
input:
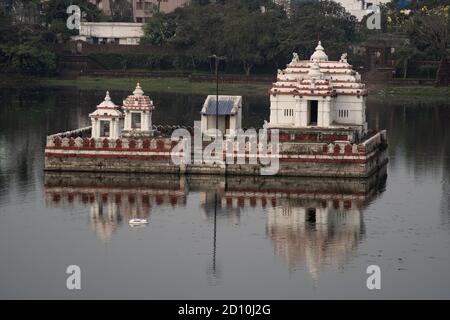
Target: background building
pixel 142 9
pixel 358 8
pixel 110 32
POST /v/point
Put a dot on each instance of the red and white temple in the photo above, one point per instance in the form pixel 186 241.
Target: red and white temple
pixel 318 93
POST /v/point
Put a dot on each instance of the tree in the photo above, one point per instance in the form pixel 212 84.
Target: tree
pixel 56 10
pixel 404 55
pixel 200 31
pixel 23 47
pixel 428 30
pixel 251 36
pixel 121 11
pixel 312 21
pixel 159 29
pixel 29 58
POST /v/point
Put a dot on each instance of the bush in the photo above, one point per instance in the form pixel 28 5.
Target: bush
pixel 28 58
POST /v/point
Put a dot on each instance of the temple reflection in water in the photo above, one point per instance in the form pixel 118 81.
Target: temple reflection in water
pixel 113 198
pixel 311 222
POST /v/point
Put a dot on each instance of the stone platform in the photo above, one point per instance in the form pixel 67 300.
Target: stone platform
pixel 73 151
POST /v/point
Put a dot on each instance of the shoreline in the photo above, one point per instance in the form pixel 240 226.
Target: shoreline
pixel 396 93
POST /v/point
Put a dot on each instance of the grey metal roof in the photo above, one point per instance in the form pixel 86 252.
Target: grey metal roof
pixel 225 107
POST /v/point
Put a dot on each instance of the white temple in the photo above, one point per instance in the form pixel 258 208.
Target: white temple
pixel 106 120
pixel 318 93
pixel 138 110
pixel 134 118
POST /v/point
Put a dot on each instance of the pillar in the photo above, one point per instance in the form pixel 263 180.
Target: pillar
pixel 297 112
pixel 274 110
pixel 304 113
pixel 127 121
pixel 95 128
pixel 327 117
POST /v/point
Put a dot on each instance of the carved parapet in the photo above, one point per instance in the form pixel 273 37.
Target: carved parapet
pixel 374 142
pixel 50 142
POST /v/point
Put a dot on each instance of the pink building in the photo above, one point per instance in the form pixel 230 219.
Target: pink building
pixel 142 9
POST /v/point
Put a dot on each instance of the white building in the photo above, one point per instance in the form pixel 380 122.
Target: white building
pixel 138 110
pixel 229 113
pixel 359 8
pixel 133 119
pixel 318 93
pixel 106 120
pixel 110 32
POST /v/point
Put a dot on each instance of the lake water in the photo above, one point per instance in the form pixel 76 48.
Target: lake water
pixel 216 238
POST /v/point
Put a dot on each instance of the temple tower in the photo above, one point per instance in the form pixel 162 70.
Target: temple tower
pixel 318 94
pixel 106 120
pixel 138 110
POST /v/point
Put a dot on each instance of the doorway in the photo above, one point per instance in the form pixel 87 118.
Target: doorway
pixel 313 112
pixel 104 129
pixel 135 120
pixel 227 123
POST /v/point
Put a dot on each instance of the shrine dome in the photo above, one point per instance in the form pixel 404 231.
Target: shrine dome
pixel 319 54
pixel 138 101
pixel 107 108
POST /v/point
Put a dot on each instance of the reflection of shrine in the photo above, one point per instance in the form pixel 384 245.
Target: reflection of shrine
pixel 324 230
pixel 311 222
pixel 112 197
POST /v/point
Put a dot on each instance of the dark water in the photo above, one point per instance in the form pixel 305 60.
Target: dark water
pixel 221 238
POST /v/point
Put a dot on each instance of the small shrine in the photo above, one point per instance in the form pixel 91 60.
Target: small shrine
pixel 227 113
pixel 318 94
pixel 138 110
pixel 106 120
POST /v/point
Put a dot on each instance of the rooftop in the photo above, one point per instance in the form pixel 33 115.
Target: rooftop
pixel 227 105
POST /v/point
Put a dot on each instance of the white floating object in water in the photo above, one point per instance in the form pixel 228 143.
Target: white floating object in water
pixel 138 222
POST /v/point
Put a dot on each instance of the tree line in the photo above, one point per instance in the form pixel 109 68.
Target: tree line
pixel 253 35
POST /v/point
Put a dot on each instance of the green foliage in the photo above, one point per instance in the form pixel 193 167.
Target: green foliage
pixel 56 10
pixel 428 29
pixel 24 47
pixel 28 58
pixel 55 16
pixel 159 29
pixel 324 20
pixel 121 11
pixel 250 36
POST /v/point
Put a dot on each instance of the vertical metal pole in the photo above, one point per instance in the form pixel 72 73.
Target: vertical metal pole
pixel 217 98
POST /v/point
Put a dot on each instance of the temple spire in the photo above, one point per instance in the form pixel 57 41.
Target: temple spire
pixel 138 91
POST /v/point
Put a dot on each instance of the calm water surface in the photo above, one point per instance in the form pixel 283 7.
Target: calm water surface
pixel 218 238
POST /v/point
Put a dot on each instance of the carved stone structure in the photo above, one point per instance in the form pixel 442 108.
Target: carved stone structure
pixel 317 126
pixel 138 110
pixel 318 94
pixel 106 120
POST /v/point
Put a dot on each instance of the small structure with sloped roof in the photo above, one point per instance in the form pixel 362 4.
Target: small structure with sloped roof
pixel 228 112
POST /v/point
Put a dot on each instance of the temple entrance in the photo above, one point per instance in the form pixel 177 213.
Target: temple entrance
pixel 135 120
pixel 104 128
pixel 313 112
pixel 227 123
